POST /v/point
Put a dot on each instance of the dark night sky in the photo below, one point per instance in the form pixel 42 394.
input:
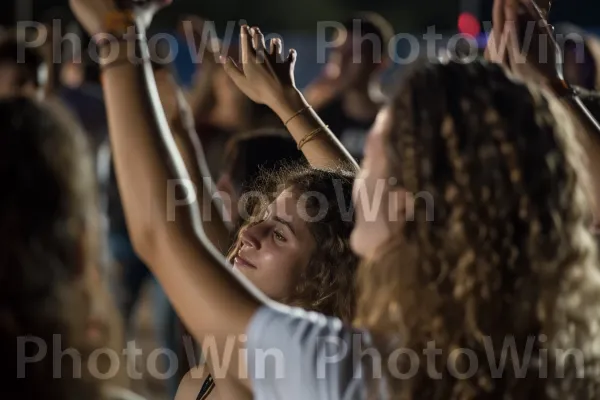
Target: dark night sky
pixel 406 15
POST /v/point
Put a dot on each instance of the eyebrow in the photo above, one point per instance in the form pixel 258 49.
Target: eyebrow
pixel 286 223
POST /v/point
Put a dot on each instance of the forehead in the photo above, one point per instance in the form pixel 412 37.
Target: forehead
pixel 290 207
pixel 285 205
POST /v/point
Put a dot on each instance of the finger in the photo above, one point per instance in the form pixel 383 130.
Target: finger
pixel 537 14
pixel 277 49
pixel 246 44
pixel 233 71
pixel 258 39
pixel 544 6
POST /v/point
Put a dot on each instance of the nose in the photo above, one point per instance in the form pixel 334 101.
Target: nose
pixel 249 236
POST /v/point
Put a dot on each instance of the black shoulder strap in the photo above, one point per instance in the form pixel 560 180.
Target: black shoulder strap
pixel 207 387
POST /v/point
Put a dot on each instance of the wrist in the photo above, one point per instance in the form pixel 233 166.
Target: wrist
pixel 289 104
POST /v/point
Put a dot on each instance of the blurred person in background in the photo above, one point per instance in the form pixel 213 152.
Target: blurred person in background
pixel 558 263
pixel 348 94
pixel 298 260
pixel 220 109
pixel 50 280
pixel 21 76
pixel 76 84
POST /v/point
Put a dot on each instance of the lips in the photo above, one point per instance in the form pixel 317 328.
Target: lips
pixel 241 262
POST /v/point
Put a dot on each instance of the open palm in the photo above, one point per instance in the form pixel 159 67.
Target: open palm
pixel 264 75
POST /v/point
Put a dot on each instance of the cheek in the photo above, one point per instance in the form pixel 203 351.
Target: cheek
pixel 282 263
pixel 281 270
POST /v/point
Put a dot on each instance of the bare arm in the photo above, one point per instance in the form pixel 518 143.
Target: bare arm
pixel 214 221
pixel 197 279
pixel 269 79
pixel 200 96
pixel 324 150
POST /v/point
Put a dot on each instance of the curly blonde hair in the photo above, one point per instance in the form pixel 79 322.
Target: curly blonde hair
pixel 328 283
pixel 508 257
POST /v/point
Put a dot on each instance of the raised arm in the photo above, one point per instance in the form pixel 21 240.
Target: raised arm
pixel 215 222
pixel 267 77
pixel 150 172
pixel 546 72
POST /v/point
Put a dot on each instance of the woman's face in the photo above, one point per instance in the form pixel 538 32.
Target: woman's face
pixel 275 252
pixel 376 203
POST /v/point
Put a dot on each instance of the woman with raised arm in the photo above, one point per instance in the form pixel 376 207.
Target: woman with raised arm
pixel 477 236
pixel 541 65
pixel 315 282
pixel 295 258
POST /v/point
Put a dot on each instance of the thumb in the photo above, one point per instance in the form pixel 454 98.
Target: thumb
pixel 233 71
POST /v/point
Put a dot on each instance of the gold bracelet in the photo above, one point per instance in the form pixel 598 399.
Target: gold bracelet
pixel 297 113
pixel 310 136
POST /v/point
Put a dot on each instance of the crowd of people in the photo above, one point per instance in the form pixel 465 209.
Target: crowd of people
pixel 327 243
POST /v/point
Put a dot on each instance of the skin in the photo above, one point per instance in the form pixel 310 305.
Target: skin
pixel 277 250
pixel 212 299
pixel 546 74
pixel 372 228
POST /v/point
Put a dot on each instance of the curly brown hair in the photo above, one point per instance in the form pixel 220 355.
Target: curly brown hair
pixel 507 258
pixel 327 285
pixel 47 210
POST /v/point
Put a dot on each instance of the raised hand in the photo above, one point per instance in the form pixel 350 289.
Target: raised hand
pixel 94 15
pixel 530 49
pixel 106 16
pixel 540 63
pixel 544 6
pixel 265 75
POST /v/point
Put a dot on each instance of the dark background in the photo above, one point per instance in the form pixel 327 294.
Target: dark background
pixel 406 15
pixel 296 21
